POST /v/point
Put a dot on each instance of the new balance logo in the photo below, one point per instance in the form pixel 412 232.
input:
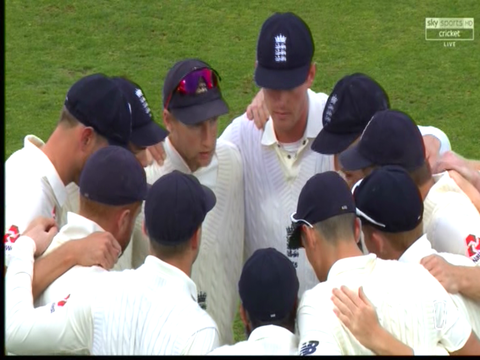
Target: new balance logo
pixel 280 48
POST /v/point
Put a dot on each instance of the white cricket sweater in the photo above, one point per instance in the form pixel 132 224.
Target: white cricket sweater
pixel 217 268
pixel 152 310
pixel 273 184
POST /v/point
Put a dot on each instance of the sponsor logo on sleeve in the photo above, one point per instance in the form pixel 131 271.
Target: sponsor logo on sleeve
pixel 58 304
pixel 473 247
pixel 10 237
pixel 308 348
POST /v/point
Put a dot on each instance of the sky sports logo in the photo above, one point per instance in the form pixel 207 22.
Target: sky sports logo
pixel 449 29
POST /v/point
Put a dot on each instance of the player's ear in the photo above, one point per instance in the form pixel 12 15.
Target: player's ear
pixel 378 241
pixel 168 119
pixel 357 229
pixel 124 220
pixel 195 241
pixel 87 137
pixel 243 315
pixel 311 74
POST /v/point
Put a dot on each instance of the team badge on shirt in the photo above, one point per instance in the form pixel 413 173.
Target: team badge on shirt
pixel 202 299
pixel 308 348
pixel 60 303
pixel 473 247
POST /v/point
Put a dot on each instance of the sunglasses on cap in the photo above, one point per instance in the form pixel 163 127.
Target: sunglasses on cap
pixel 189 85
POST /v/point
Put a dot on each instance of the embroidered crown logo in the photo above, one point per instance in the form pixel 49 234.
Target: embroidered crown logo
pixel 142 99
pixel 330 109
pixel 280 48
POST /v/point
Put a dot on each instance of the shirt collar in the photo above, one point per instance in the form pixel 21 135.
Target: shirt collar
pixel 363 262
pixel 167 270
pixel 86 226
pixel 272 331
pixel 314 124
pixel 207 175
pixel 33 144
pixel 417 251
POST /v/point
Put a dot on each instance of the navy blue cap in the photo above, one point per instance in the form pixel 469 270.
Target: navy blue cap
pixel 113 176
pixel 145 131
pixel 268 285
pixel 350 106
pixel 285 51
pixel 390 138
pixel 323 196
pixel 389 200
pixel 175 208
pixel 192 109
pixel 96 101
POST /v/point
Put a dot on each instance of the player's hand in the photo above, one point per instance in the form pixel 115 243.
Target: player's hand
pixel 358 314
pixel 257 110
pixel 41 230
pixel 432 149
pixel 156 153
pixel 443 271
pixel 99 248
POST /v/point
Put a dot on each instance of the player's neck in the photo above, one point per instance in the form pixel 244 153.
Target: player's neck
pixel 182 263
pixel 425 188
pixel 345 249
pixel 296 132
pixel 57 149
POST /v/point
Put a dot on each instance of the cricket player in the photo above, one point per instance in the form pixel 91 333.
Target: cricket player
pixel 277 161
pixel 36 175
pixel 192 102
pixel 355 98
pixel 152 310
pixel 268 290
pixel 112 188
pixel 393 229
pixel 411 304
pixel 450 220
pixel 145 133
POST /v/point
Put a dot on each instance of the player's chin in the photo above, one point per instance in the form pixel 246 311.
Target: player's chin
pixel 205 158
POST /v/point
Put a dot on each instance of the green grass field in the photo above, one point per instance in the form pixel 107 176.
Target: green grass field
pixel 51 44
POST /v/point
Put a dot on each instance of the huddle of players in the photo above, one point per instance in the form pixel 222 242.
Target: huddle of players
pixel 257 178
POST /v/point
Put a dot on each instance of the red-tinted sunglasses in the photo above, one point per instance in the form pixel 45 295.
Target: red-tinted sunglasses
pixel 189 84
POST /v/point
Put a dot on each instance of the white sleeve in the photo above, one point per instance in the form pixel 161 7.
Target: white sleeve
pixel 439 134
pixel 60 327
pixel 232 132
pixel 21 207
pixel 456 228
pixel 202 342
pixel 452 325
pixel 315 331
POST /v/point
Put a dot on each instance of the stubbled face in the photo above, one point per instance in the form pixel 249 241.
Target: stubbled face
pixel 287 107
pixel 195 143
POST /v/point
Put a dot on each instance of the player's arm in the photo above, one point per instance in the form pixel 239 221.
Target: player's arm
pixel 455 279
pixel 468 168
pixel 358 315
pixel 467 187
pixel 99 248
pixel 455 227
pixel 58 327
pixel 202 342
pixel 316 329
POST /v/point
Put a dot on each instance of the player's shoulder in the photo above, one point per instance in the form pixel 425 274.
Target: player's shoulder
pixel 319 97
pixel 240 348
pixel 457 259
pixel 316 295
pixel 243 128
pixel 227 147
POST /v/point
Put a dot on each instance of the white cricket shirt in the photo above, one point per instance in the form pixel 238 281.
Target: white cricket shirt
pixel 73 205
pixel 273 179
pixel 77 227
pixel 32 188
pixel 264 340
pixel 450 220
pixel 218 266
pixel 148 311
pixel 468 307
pixel 410 304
